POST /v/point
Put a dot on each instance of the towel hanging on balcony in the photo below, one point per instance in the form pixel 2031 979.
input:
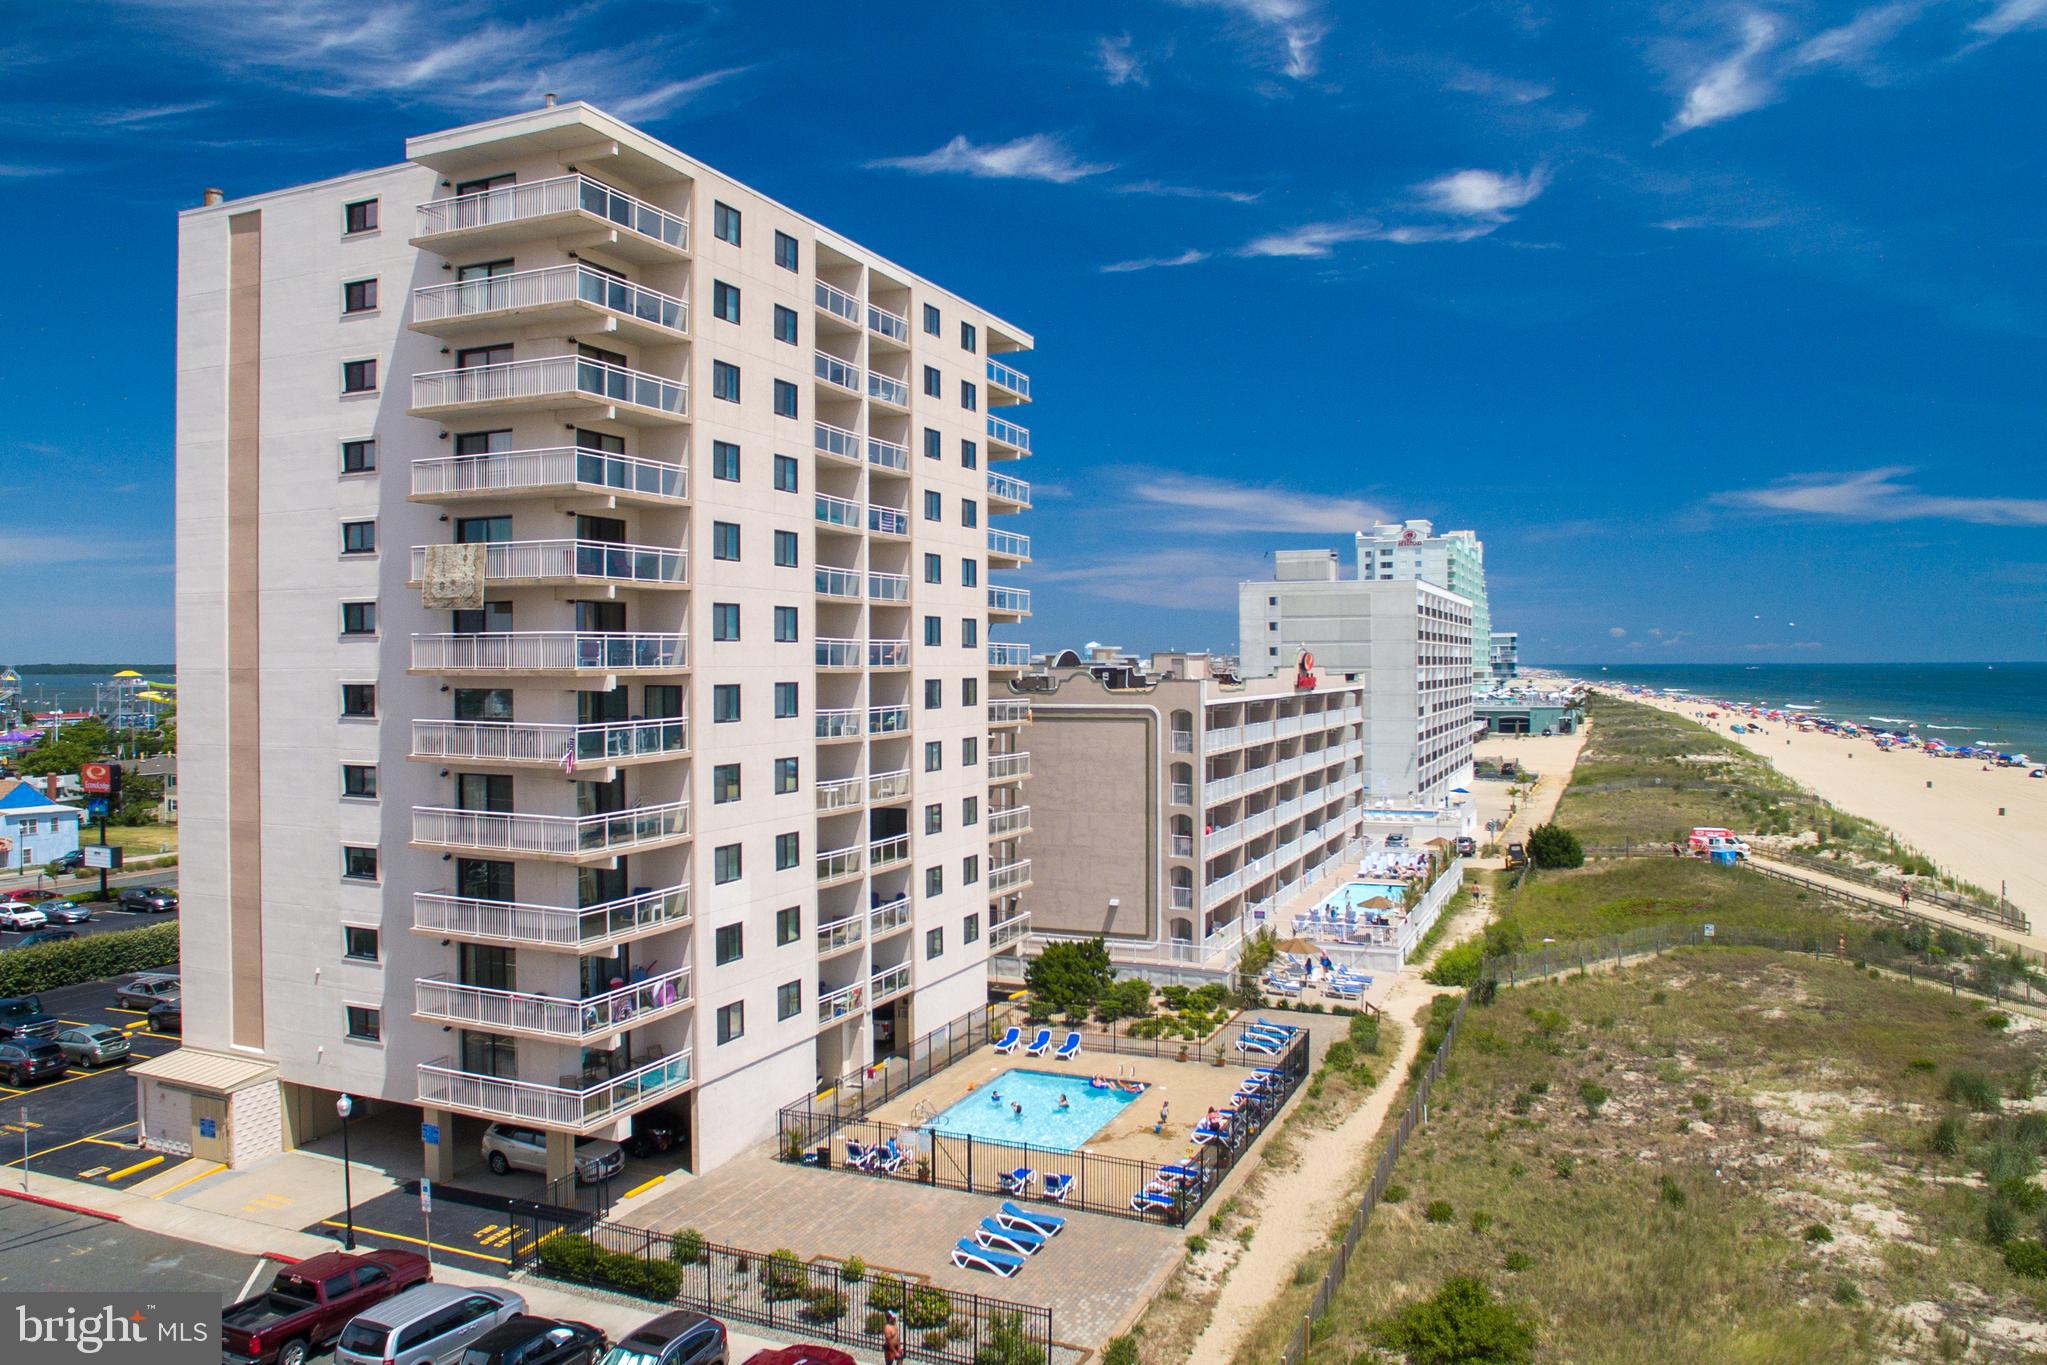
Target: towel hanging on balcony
pixel 453 577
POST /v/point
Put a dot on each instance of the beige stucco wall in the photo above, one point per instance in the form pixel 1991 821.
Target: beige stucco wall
pixel 1094 820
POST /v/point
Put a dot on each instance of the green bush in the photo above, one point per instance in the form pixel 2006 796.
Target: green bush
pixel 782 1276
pixel 888 1295
pixel 1120 1351
pixel 1364 1034
pixel 1670 1192
pixel 1009 1344
pixel 1339 1056
pixel 1439 1211
pixel 1553 846
pixel 853 1271
pixel 568 1256
pixel 686 1247
pixel 1458 965
pixel 1461 1324
pixel 1481 1222
pixel 47 966
pixel 1819 1232
pixel 822 1305
pixel 2024 1256
pixel 1518 1260
pixel 928 1308
pixel 1395 1194
pixel 1971 1088
pixel 2000 1221
pixel 1595 1096
pixel 1946 1138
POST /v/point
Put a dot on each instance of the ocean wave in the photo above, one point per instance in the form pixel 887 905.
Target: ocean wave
pixel 1893 720
pixel 1950 727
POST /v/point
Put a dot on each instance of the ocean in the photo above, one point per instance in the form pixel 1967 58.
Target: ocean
pixel 73 691
pixel 2002 705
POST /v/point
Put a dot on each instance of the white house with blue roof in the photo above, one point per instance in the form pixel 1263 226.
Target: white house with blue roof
pixel 37 829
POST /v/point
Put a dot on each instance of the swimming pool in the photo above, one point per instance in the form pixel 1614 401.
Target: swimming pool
pixel 1357 893
pixel 1043 1123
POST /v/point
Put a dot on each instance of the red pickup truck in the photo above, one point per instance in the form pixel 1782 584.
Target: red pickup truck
pixel 308 1304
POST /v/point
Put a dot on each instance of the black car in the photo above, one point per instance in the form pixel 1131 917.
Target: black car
pixel 677 1338
pixel 71 861
pixel 654 1131
pixel 149 900
pixel 167 1017
pixel 35 936
pixel 27 1061
pixel 527 1340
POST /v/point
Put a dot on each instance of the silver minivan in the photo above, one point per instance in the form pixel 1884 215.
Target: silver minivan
pixel 429 1324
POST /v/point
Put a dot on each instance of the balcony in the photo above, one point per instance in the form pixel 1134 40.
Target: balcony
pixel 837 653
pixel 1009 712
pixel 1182 794
pixel 846 793
pixel 884 787
pixel 591 388
pixel 887 521
pixel 888 455
pixel 1009 876
pixel 888 720
pixel 545 653
pixel 838 513
pixel 549 472
pixel 1181 845
pixel 575 299
pixel 893 326
pixel 1001 935
pixel 1008 436
pixel 888 852
pixel 837 442
pixel 1007 386
pixel 883 389
pixel 572 563
pixel 1007 824
pixel 1008 548
pixel 1003 489
pixel 522 744
pixel 840 935
pixel 840 722
pixel 838 303
pixel 888 587
pixel 560 1018
pixel 888 653
pixel 442 1085
pixel 888 983
pixel 583 929
pixel 839 374
pixel 1005 655
pixel 1182 741
pixel 1182 897
pixel 841 864
pixel 567 206
pixel 1011 603
pixel 889 917
pixel 839 1003
pixel 1009 767
pixel 840 583
pixel 559 838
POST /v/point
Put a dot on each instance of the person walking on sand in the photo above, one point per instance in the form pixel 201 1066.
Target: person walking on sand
pixel 893 1347
pixel 1160 1127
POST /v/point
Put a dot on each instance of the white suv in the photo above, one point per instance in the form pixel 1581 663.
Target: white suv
pixel 506 1146
pixel 15 915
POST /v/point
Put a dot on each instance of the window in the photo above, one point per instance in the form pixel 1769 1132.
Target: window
pixel 725 461
pixel 970 573
pixel 724 540
pixel 365 1024
pixel 359 699
pixel 970 871
pixel 724 703
pixel 788 1000
pixel 967 338
pixel 970 632
pixel 732 1017
pixel 934 569
pixel 970 691
pixel 359 864
pixel 931 322
pixel 785 398
pixel 934 881
pixel 934 756
pixel 970 512
pixel 933 385
pixel 729 944
pixel 724 301
pixel 785 474
pixel 970 398
pixel 970 751
pixel 358 457
pixel 785 549
pixel 358 618
pixel 359 296
pixel 970 929
pixel 934 631
pixel 359 780
pixel 788 851
pixel 785 251
pixel 725 381
pixel 934 505
pixel 724 783
pixel 970 811
pixel 358 376
pixel 785 700
pixel 788 925
pixel 358 537
pixel 970 455
pixel 359 943
pixel 361 216
pixel 934 941
pixel 724 620
pixel 934 445
pixel 785 625
pixel 787 776
pixel 785 324
pixel 725 222
pixel 934 818
pixel 726 866
pixel 934 694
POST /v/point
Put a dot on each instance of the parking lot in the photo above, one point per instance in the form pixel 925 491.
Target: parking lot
pixel 108 916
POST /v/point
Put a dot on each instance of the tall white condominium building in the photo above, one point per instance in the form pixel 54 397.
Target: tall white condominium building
pixel 1453 560
pixel 585 579
pixel 1408 639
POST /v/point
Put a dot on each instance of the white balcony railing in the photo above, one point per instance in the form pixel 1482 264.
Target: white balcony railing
pixel 889 983
pixel 1009 434
pixel 888 587
pixel 1008 876
pixel 842 374
pixel 838 653
pixel 1005 767
pixel 888 390
pixel 1011 601
pixel 893 786
pixel 1182 846
pixel 550 926
pixel 888 917
pixel 554 376
pixel 511 741
pixel 844 512
pixel 841 863
pixel 894 326
pixel 513 560
pixel 836 1005
pixel 1009 544
pixel 554 467
pixel 550 651
pixel 1183 793
pixel 840 722
pixel 1004 823
pixel 888 521
pixel 549 1016
pixel 888 653
pixel 840 935
pixel 546 198
pixel 550 836
pixel 889 852
pixel 1007 654
pixel 1008 712
pixel 837 582
pixel 1016 383
pixel 443 1085
pixel 1182 897
pixel 549 285
pixel 887 454
pixel 1182 741
pixel 888 720
pixel 836 441
pixel 1008 489
pixel 1001 935
pixel 844 793
pixel 838 302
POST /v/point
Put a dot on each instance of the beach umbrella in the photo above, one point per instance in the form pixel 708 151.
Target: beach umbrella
pixel 127 673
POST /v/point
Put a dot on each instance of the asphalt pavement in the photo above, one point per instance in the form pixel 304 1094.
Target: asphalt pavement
pixel 107 916
pixel 42 1248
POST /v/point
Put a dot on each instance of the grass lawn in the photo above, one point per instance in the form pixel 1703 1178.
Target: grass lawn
pixel 1614 897
pixel 1719 1155
pixel 136 839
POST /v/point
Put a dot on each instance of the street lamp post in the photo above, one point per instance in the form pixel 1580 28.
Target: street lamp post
pixel 344 1107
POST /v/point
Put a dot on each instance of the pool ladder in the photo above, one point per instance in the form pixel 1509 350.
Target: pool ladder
pixel 922 1114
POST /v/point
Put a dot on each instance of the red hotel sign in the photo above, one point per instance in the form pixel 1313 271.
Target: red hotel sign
pixel 96 778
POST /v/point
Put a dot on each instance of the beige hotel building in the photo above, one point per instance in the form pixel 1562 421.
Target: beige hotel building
pixel 586 575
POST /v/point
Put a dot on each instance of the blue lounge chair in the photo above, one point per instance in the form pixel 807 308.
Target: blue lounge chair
pixel 1069 1049
pixel 1185 1175
pixel 1057 1187
pixel 1284 1030
pixel 888 1158
pixel 1010 1040
pixel 1146 1201
pixel 968 1254
pixel 1276 1039
pixel 860 1156
pixel 1041 1044
pixel 1018 1182
pixel 1044 1224
pixel 1271 1073
pixel 1258 1043
pixel 1015 1241
pixel 1205 1135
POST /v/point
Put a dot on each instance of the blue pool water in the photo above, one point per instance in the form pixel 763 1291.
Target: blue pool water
pixel 1043 1123
pixel 1357 893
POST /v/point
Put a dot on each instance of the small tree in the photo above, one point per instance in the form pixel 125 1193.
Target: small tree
pixel 1129 998
pixel 1071 976
pixel 1551 846
pixel 1461 1324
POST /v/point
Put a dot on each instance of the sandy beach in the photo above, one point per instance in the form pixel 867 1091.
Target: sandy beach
pixel 1954 820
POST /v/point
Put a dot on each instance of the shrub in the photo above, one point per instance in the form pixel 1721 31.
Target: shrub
pixel 1538 1087
pixel 782 1275
pixel 1008 1344
pixel 1458 965
pixel 2000 1221
pixel 1395 1194
pixel 1518 1260
pixel 1071 976
pixel 1340 1056
pixel 1196 1244
pixel 2024 1256
pixel 1522 1102
pixel 1946 1138
pixel 1481 1222
pixel 823 1305
pixel 853 1271
pixel 2004 1160
pixel 1564 1165
pixel 877 1322
pixel 48 966
pixel 686 1247
pixel 1670 1192
pixel 1129 998
pixel 1364 1033
pixel 1439 1211
pixel 927 1308
pixel 887 1295
pixel 1846 1294
pixel 1552 846
pixel 1996 1022
pixel 1595 1096
pixel 2024 1195
pixel 1819 1232
pixel 1461 1322
pixel 1120 1351
pixel 568 1256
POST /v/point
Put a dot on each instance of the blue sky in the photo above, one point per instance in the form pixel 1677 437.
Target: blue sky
pixel 1724 324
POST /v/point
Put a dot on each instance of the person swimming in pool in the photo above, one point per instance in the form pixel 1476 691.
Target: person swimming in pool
pixel 1063 1104
pixel 1016 1107
pixel 1099 1082
pixel 995 1097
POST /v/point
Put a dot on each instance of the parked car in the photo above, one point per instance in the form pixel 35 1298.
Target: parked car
pixel 149 989
pixel 1516 855
pixel 654 1131
pixel 528 1340
pixel 21 1016
pixel 429 1324
pixel 801 1355
pixel 167 1016
pixel 17 915
pixel 1466 845
pixel 150 900
pixel 61 911
pixel 28 1060
pixel 308 1304
pixel 1396 841
pixel 71 861
pixel 35 936
pixel 678 1338
pixel 92 1045
pixel 27 894
pixel 506 1146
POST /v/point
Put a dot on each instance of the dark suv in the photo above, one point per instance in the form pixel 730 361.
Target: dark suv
pixel 26 1062
pixel 150 900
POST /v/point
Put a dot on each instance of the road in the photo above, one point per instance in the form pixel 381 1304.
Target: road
pixel 107 917
pixel 64 886
pixel 44 1248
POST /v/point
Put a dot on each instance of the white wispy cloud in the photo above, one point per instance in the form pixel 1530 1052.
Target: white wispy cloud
pixel 18 171
pixel 1297 24
pixel 1315 240
pixel 1617 632
pixel 1881 495
pixel 1239 507
pixel 1855 42
pixel 1037 156
pixel 669 96
pixel 1156 577
pixel 1483 194
pixel 1735 82
pixel 1473 80
pixel 2009 16
pixel 1120 65
pixel 137 118
pixel 1188 257
pixel 1169 191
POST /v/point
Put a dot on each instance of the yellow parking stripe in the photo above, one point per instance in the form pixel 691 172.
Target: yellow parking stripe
pixel 182 1183
pixel 156 1160
pixel 643 1187
pixel 95 1137
pixel 401 1237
